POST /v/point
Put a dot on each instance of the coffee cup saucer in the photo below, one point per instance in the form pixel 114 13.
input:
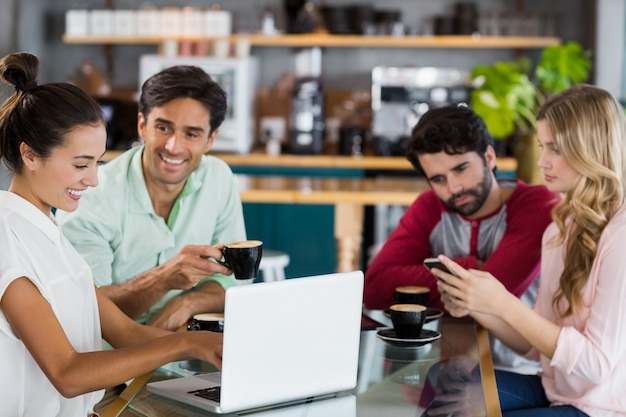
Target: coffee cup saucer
pixel 431 314
pixel 426 336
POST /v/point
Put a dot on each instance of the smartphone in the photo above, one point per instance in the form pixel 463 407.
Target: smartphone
pixel 431 263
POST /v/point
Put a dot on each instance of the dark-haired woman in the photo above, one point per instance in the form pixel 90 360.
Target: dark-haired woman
pixel 52 319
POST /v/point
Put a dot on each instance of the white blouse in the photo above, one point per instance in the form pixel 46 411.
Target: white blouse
pixel 32 246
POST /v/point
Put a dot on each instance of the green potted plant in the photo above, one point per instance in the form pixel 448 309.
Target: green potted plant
pixel 507 95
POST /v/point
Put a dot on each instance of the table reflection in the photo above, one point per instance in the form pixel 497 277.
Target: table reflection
pixel 442 378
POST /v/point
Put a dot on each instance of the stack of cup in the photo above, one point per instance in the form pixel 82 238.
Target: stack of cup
pixel 409 313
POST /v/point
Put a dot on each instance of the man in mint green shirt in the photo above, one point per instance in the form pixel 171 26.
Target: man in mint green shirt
pixel 162 210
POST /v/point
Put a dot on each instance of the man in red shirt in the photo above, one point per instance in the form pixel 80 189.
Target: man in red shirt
pixel 468 215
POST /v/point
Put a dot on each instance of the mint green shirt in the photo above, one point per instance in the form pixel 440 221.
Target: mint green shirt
pixel 118 233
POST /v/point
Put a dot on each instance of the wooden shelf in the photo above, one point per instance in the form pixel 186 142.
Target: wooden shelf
pixel 344 41
pixel 338 41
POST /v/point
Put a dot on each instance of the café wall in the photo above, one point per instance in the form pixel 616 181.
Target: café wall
pixel 40 26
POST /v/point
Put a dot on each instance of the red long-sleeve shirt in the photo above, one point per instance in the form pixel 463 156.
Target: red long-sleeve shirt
pixel 508 241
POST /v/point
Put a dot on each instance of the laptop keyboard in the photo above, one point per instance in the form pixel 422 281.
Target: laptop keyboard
pixel 212 393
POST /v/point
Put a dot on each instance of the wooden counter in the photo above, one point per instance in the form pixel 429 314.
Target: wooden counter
pixel 325 161
pixel 348 195
pixel 314 190
pixel 336 161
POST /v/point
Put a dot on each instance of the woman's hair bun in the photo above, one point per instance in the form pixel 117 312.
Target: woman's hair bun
pixel 20 69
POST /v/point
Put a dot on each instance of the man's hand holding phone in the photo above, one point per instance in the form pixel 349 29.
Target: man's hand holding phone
pixel 431 263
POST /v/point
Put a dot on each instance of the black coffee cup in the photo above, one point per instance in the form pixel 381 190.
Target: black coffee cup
pixel 213 322
pixel 407 319
pixel 412 294
pixel 243 258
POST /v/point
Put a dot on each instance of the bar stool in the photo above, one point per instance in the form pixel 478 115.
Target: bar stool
pixel 273 264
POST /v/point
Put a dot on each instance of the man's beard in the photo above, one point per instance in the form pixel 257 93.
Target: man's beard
pixel 479 192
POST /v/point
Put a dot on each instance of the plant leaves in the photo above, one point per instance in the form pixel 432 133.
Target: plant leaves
pixel 562 66
pixel 507 99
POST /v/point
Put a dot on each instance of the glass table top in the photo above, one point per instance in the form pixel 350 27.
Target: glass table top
pixel 444 377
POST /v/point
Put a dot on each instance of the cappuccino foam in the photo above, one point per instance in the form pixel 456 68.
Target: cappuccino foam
pixel 413 289
pixel 209 317
pixel 408 307
pixel 244 244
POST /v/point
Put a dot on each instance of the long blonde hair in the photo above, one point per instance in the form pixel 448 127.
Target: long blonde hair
pixel 589 129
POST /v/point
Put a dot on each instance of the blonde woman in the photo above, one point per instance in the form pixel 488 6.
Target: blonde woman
pixel 578 326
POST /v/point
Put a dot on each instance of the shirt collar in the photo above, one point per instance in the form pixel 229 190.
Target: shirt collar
pixel 24 208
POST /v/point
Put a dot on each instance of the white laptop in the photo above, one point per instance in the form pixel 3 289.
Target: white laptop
pixel 284 341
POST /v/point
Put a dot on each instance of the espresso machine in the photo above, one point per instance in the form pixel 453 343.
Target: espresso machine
pixel 401 95
pixel 307 117
pixel 307 103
